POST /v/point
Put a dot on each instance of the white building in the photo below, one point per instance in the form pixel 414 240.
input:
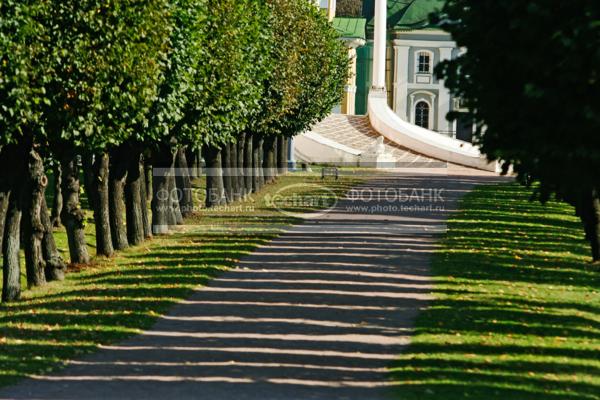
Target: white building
pixel 417 95
pixel 414 49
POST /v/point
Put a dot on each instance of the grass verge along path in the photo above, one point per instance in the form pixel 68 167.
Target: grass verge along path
pixel 517 309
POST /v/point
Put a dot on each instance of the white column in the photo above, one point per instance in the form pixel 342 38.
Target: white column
pixel 401 84
pixel 395 80
pixel 444 98
pixel 331 9
pixel 379 47
pixel 291 155
pixel 431 113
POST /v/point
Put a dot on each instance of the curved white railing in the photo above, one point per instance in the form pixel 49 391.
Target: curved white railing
pixel 391 126
pixel 314 148
pixel 420 140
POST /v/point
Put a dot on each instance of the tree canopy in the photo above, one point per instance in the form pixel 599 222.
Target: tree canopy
pixel 531 80
pixel 349 8
pixel 106 59
pixel 22 75
pixel 311 78
pixel 118 88
pixel 322 76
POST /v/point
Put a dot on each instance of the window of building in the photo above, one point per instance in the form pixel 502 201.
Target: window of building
pixel 424 63
pixel 422 114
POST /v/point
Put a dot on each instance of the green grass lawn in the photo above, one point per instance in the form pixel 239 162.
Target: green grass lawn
pixel 517 309
pixel 116 298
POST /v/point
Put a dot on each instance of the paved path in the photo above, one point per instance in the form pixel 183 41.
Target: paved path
pixel 317 314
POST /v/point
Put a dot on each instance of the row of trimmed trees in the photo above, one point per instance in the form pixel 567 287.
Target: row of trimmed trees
pixel 543 120
pixel 121 99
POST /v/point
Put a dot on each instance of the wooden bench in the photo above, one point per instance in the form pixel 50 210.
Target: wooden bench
pixel 330 171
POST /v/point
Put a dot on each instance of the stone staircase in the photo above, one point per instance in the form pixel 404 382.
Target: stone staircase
pixel 355 131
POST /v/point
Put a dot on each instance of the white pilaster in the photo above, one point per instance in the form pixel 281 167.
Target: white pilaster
pixel 444 97
pixel 331 9
pixel 431 113
pixel 380 45
pixel 401 81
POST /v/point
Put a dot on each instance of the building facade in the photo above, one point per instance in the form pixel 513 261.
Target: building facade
pixel 414 49
pixel 417 95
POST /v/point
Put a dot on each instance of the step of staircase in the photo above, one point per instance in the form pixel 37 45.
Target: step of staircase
pixel 355 131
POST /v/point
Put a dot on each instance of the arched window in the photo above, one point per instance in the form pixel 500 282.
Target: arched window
pixel 424 63
pixel 422 114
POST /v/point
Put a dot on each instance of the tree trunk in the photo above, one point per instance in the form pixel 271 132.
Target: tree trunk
pixel 282 154
pixel 4 198
pixel 160 200
pixel 11 169
pixel 98 193
pixel 199 164
pixel 269 151
pixel 88 179
pixel 192 163
pixel 590 216
pixel 248 164
pixel 285 154
pixel 257 164
pixel 55 265
pixel 57 203
pixel 119 158
pixel 275 156
pixel 11 271
pixel 184 184
pixel 215 188
pixel 162 213
pixel 261 157
pixel 227 176
pixel 241 172
pixel 174 195
pixel 278 165
pixel 33 229
pixel 194 159
pixel 148 175
pixel 133 199
pixel 144 189
pixel 73 217
pixel 235 172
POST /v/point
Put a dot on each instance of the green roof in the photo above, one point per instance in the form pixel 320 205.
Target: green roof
pixel 404 14
pixel 351 28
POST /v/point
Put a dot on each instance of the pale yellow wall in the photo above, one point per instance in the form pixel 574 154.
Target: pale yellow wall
pixel 349 102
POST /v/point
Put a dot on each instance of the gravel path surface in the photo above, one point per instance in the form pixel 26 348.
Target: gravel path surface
pixel 317 314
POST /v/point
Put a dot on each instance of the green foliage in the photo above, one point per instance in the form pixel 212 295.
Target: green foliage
pixel 231 75
pixel 312 68
pixel 349 8
pixel 281 84
pixel 93 73
pixel 531 78
pixel 217 64
pixel 107 58
pixel 185 54
pixel 22 75
pixel 324 69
